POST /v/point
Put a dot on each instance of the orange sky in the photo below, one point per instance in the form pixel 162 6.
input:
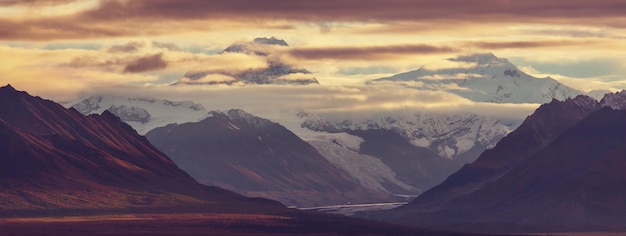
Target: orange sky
pixel 64 49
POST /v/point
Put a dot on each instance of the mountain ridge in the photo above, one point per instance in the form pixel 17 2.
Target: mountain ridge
pixel 558 147
pixel 55 159
pixel 485 78
pixel 256 157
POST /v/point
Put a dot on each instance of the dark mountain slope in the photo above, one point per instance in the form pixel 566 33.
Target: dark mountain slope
pixel 416 166
pixel 55 159
pixel 533 135
pixel 575 184
pixel 257 157
pixel 64 173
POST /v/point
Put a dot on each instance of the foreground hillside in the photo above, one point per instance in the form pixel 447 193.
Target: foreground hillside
pixel 55 159
pixel 561 170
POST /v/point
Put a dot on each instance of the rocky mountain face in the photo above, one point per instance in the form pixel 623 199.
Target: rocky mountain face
pixel 484 78
pixel 598 94
pixel 455 136
pixel 553 173
pixel 256 157
pixel 399 165
pixel 55 159
pixel 369 171
pixel 463 136
pixel 276 72
pixel 143 114
pixel 616 101
pixel 56 162
pixel 415 166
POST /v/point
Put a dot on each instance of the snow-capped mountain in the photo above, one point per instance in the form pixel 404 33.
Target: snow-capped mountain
pixel 378 159
pixel 55 161
pixel 248 47
pixel 598 94
pixel 564 162
pixel 143 114
pixel 616 101
pixel 370 171
pixel 484 78
pixel 456 136
pixel 276 71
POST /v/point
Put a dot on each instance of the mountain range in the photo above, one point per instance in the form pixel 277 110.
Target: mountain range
pixel 439 144
pixel 559 171
pixel 256 157
pixel 388 170
pixel 65 173
pixel 484 78
pixel 54 159
pixel 143 114
pixel 426 148
pixel 459 136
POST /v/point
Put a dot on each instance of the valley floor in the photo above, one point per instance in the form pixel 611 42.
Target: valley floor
pixel 354 208
pixel 203 224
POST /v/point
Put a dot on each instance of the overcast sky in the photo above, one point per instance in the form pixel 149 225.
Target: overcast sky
pixel 66 49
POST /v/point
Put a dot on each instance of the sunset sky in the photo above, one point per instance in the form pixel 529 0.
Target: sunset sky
pixel 66 49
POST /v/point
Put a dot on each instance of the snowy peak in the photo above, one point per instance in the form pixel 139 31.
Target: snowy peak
pixel 238 115
pixel 616 101
pixel 258 46
pixel 488 64
pixel 143 114
pixel 94 104
pixel 270 41
pixel 481 58
pixel 451 135
pixel 276 71
pixel 584 102
pixel 130 113
pixel 484 78
pixel 598 94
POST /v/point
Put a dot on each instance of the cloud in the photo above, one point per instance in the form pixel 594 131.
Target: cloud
pixel 136 46
pixel 226 62
pixel 585 84
pixel 40 73
pixel 128 47
pixel 53 81
pixel 168 46
pixel 94 62
pixel 147 63
pixel 162 17
pixel 367 52
pixel 272 101
pixel 357 10
pixel 32 3
pixel 208 79
pixel 493 45
pixel 50 28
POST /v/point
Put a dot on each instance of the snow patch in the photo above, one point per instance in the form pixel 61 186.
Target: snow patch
pixel 143 114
